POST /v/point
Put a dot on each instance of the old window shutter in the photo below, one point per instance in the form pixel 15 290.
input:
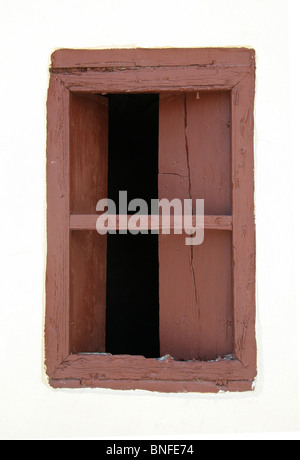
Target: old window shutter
pixel 196 281
pixel 207 292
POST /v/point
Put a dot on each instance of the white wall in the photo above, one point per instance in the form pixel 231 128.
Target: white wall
pixel 30 30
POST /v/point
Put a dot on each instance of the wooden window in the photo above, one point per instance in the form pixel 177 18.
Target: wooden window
pixel 147 311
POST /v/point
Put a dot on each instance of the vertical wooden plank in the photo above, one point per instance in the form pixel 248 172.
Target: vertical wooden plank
pixel 213 294
pixel 242 102
pixel 57 272
pixel 89 156
pixel 195 281
pixel 195 149
pixel 89 159
pixel 88 292
pixel 196 297
pixel 173 178
pixel 208 120
pixel 178 312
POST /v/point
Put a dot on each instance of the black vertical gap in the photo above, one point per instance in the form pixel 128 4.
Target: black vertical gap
pixel 132 304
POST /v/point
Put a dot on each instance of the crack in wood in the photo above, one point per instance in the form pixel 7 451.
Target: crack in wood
pixel 173 174
pixel 190 196
pixel 121 68
pixel 194 279
pixel 187 150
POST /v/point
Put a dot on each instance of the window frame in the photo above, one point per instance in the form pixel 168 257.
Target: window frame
pixel 136 71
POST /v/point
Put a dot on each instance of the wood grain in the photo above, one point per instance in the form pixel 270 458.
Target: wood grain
pixel 139 57
pixel 194 162
pixel 242 106
pixel 89 152
pixel 196 297
pixel 161 386
pixel 88 292
pixel 147 222
pixel 57 271
pixel 114 367
pixel 153 80
pixel 89 170
pixel 208 121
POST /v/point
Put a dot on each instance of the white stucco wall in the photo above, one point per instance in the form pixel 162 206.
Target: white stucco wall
pixel 30 30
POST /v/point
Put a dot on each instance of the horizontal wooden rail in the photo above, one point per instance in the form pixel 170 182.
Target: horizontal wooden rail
pixel 147 222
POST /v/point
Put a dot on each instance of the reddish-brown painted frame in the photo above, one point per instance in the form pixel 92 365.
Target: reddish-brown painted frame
pixel 150 70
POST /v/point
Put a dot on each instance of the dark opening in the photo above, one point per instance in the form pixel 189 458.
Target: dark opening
pixel 132 303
